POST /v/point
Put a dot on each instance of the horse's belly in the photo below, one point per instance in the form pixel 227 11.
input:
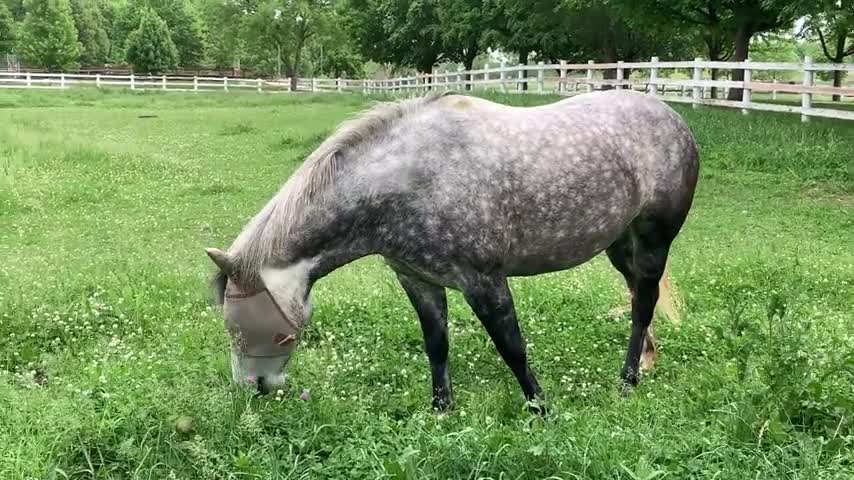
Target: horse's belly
pixel 560 247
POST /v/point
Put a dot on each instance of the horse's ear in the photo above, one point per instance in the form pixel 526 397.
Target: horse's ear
pixel 221 259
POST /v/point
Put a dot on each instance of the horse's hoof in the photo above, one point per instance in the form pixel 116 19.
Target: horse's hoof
pixel 537 406
pixel 443 405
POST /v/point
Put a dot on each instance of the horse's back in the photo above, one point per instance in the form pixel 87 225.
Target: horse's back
pixel 589 139
pixel 532 189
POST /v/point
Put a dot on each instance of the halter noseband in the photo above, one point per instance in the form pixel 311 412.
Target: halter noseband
pixel 250 319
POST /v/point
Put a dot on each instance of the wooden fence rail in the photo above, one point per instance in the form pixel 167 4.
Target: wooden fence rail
pixel 653 77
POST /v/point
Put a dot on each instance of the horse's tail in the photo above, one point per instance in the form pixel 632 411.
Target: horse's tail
pixel 669 302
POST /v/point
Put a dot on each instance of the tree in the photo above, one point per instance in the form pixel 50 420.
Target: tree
pixel 708 18
pixel 730 22
pixel 541 26
pixel 183 20
pixel 16 7
pixel 401 32
pixel 467 27
pixel 7 30
pixel 48 37
pixel 834 27
pixel 414 32
pixel 91 31
pixel 277 33
pixel 225 45
pixel 109 14
pixel 150 47
pixel 334 52
pixel 603 31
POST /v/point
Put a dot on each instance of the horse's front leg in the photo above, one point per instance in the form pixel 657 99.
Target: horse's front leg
pixel 492 302
pixel 431 305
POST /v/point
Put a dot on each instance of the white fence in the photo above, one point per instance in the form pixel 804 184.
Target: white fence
pixel 653 77
pixel 133 82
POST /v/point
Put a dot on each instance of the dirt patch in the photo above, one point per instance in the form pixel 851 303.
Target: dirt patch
pixel 829 192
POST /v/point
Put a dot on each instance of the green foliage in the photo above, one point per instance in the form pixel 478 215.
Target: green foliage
pixel 277 33
pixel 150 48
pixel 184 22
pixel 223 22
pixel 16 7
pixel 401 32
pixel 91 31
pixel 467 28
pixel 7 30
pixel 333 52
pixel 542 26
pixel 48 38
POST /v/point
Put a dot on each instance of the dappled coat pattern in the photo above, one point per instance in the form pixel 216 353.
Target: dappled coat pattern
pixel 459 192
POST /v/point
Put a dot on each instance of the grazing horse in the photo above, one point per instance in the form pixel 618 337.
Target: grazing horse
pixel 460 192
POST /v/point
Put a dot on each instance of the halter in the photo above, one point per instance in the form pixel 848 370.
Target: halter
pixel 258 324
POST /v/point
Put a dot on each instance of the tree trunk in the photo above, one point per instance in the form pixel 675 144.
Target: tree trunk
pixel 468 64
pixel 714 56
pixel 841 38
pixel 742 49
pixel 609 55
pixel 714 77
pixel 523 60
pixel 837 82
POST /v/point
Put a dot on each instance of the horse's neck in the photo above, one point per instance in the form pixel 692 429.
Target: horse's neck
pixel 323 242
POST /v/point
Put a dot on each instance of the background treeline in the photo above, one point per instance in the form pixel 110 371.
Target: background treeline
pixel 354 38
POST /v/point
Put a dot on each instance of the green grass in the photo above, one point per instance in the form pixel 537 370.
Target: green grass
pixel 106 333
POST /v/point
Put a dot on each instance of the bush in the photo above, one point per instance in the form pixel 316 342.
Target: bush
pixel 7 30
pixel 150 47
pixel 48 36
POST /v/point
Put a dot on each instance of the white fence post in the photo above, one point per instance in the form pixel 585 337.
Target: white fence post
pixel 98 80
pixel 620 74
pixel 29 80
pixel 132 83
pixel 486 76
pixel 561 87
pixel 364 86
pixel 806 98
pixel 774 91
pixel 62 80
pixel 590 77
pixel 313 84
pixel 460 77
pixel 503 76
pixel 698 76
pixel 520 77
pixel 540 76
pixel 195 83
pixel 653 76
pixel 745 90
pixel 338 84
pixel 163 81
pixel 225 83
pixel 258 84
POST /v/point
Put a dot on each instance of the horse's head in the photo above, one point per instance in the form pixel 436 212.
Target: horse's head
pixel 264 320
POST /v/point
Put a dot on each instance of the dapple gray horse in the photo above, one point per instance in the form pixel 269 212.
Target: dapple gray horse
pixel 459 192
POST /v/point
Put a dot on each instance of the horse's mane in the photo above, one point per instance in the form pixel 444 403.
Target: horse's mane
pixel 262 237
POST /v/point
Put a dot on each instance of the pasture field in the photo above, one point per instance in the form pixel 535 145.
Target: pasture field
pixel 107 337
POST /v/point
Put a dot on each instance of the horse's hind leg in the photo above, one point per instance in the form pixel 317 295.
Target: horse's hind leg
pixel 431 306
pixel 490 299
pixel 621 254
pixel 651 238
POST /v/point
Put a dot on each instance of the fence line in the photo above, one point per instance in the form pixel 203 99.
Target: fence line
pixel 565 79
